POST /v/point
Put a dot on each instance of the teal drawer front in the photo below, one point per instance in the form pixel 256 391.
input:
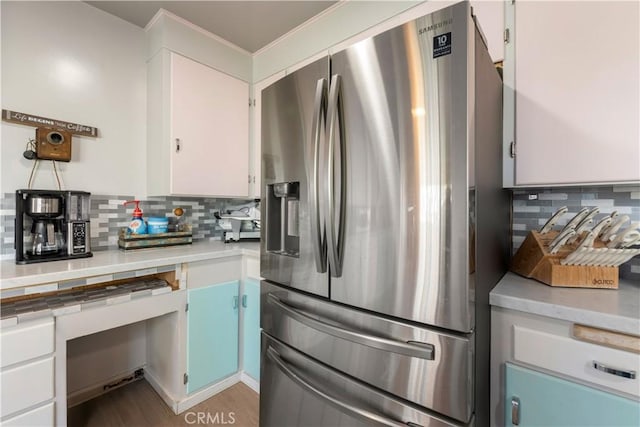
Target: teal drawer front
pixel 547 401
pixel 212 337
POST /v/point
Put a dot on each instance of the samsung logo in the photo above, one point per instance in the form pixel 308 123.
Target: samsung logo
pixel 435 26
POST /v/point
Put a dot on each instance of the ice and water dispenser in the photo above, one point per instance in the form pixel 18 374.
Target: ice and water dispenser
pixel 283 230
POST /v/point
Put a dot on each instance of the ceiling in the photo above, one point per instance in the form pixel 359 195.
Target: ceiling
pixel 250 25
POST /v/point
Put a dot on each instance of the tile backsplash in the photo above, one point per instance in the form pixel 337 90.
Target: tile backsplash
pixel 108 215
pixel 533 207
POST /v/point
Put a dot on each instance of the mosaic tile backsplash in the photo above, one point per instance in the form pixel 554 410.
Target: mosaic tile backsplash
pixel 108 216
pixel 533 207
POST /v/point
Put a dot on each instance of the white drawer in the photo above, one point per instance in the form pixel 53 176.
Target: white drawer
pixel 26 385
pixel 26 341
pixel 41 417
pixel 205 273
pixel 576 359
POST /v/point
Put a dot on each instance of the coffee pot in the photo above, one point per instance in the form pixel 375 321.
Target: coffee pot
pixel 51 225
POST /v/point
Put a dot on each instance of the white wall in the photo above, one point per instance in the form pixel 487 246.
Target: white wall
pixel 73 62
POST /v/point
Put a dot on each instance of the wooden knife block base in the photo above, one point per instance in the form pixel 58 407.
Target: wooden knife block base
pixel 534 261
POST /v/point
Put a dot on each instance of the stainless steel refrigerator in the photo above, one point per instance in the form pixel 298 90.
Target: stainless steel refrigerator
pixel 384 229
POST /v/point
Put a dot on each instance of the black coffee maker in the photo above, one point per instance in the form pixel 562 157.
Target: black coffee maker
pixel 51 225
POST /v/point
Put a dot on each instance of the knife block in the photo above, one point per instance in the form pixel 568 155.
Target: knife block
pixel 534 261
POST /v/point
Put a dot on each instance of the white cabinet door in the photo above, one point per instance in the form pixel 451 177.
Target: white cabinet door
pixel 257 131
pixel 209 130
pixel 197 129
pixel 574 79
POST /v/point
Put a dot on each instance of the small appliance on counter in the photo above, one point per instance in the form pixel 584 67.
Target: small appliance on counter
pixel 51 225
pixel 239 225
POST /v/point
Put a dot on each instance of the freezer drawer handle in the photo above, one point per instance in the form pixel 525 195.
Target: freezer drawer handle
pixel 362 413
pixel 421 350
pixel 614 371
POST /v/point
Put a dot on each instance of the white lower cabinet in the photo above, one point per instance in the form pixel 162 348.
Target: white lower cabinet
pixel 27 376
pixel 40 416
pixel 542 373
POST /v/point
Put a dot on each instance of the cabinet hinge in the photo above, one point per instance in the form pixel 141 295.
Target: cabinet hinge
pixel 185 378
pixel 186 307
pixel 512 150
pixel 507 36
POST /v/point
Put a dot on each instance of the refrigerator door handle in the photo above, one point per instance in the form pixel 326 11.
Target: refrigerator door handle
pixel 348 408
pixel 335 118
pixel 320 109
pixel 412 349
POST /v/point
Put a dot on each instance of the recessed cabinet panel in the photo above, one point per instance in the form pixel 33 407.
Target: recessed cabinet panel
pixel 212 334
pixel 577 92
pixel 536 399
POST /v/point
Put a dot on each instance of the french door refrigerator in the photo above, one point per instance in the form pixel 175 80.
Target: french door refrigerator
pixel 384 229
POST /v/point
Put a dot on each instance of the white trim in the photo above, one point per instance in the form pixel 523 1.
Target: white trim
pixel 153 20
pixel 204 394
pixel 194 27
pixel 305 24
pixel 153 382
pixel 250 382
pixel 94 390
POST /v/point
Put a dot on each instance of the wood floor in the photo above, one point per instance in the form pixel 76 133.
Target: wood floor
pixel 138 405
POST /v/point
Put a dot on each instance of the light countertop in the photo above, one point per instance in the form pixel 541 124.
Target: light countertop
pixel 614 309
pixel 117 260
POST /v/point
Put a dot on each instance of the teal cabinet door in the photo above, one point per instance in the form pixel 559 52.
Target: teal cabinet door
pixel 212 334
pixel 251 328
pixel 544 400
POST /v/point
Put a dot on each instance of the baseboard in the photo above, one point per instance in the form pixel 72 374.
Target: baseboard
pixel 155 384
pixel 250 382
pixel 98 389
pixel 204 394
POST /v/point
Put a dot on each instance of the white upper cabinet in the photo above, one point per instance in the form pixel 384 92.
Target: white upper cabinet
pixel 256 156
pixel 572 93
pixel 198 129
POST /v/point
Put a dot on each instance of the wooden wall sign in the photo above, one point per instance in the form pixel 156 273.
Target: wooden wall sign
pixel 37 121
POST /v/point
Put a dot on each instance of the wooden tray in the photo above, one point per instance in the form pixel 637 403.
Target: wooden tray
pixel 534 261
pixel 129 241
